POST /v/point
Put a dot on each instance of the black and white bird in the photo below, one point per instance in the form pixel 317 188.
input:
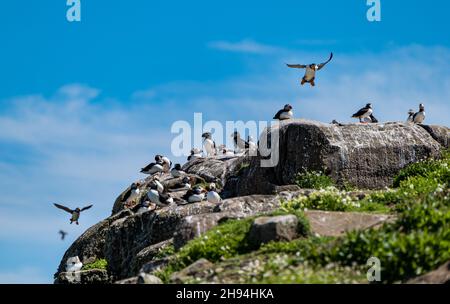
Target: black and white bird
pixel 194 195
pixel 195 153
pixel 166 163
pixel 177 171
pixel 209 144
pixel 311 69
pixel 153 168
pixel 160 199
pixel 224 151
pixel 212 196
pixel 184 185
pixel 363 113
pixel 159 185
pixel 145 206
pixel 410 116
pixel 132 193
pixel 370 119
pixel 63 234
pixel 74 212
pixel 240 145
pixel 285 113
pixel 419 117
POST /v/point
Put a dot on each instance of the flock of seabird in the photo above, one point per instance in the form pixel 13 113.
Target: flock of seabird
pixel 161 195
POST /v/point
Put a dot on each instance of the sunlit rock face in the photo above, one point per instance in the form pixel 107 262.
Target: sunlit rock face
pixel 366 156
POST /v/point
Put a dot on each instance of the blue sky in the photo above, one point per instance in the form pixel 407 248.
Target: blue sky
pixel 84 105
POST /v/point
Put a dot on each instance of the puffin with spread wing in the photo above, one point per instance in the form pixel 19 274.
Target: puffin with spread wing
pixel 75 212
pixel 311 69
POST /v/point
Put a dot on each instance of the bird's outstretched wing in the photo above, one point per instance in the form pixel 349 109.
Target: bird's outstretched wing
pixel 63 208
pixel 320 66
pixel 360 112
pixel 86 208
pixel 296 66
pixel 148 167
pixel 277 116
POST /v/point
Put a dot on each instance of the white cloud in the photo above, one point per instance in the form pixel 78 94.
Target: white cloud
pixel 243 46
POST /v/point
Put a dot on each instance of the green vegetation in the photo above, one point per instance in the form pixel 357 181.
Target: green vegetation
pixel 313 180
pixel 97 264
pixel 417 242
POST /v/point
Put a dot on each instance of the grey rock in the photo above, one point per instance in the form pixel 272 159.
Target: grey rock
pixel 132 280
pixel 148 254
pixel 145 278
pixel 275 228
pixel 155 265
pixel 331 223
pixel 192 271
pixel 366 156
pixel 92 276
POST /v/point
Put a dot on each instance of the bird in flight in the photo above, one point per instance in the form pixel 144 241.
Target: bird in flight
pixel 75 213
pixel 63 234
pixel 311 69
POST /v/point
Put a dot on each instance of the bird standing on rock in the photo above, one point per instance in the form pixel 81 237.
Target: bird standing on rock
pixel 212 196
pixel 210 145
pixel 160 199
pixel 177 171
pixel 310 73
pixel 166 163
pixel 364 113
pixel 194 195
pixel 239 144
pixel 195 153
pixel 419 117
pixel 285 113
pixel 75 213
pixel 153 168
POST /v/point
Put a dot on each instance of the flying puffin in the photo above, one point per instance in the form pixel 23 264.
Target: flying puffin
pixel 153 168
pixel 239 143
pixel 210 145
pixel 364 113
pixel 410 116
pixel 310 73
pixel 212 196
pixel 194 195
pixel 419 117
pixel 195 153
pixel 63 234
pixel 166 163
pixel 75 213
pixel 177 171
pixel 285 113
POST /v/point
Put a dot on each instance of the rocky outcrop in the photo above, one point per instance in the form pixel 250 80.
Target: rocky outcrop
pixel 365 156
pixel 327 223
pixel 92 276
pixel 190 272
pixel 276 228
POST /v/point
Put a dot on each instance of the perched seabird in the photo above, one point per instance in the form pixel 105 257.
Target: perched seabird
pixel 370 119
pixel 75 213
pixel 132 192
pixel 252 146
pixel 239 143
pixel 177 171
pixel 195 153
pixel 73 264
pixel 212 196
pixel 285 113
pixel 145 206
pixel 160 199
pixel 209 144
pixel 194 195
pixel 153 168
pixel 363 113
pixel 310 73
pixel 63 234
pixel 185 184
pixel 159 186
pixel 166 163
pixel 225 151
pixel 410 116
pixel 419 117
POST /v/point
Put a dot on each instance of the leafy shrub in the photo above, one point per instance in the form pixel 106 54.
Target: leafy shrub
pixel 97 264
pixel 313 180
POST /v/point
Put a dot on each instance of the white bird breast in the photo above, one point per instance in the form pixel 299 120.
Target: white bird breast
pixel 209 147
pixel 420 117
pixel 195 198
pixel 213 197
pixel 367 114
pixel 155 169
pixel 310 73
pixel 153 196
pixel 286 115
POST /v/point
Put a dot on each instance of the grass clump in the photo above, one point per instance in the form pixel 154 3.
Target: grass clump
pixel 313 180
pixel 97 264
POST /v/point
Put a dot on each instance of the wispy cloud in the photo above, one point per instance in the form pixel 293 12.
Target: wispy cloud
pixel 243 46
